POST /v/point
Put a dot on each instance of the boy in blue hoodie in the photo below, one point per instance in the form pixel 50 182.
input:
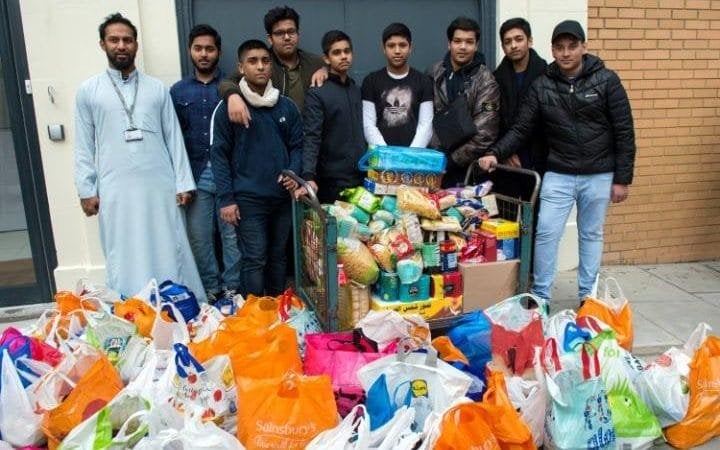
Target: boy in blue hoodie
pixel 247 165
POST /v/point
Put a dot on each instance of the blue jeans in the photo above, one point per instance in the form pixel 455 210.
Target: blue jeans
pixel 559 192
pixel 263 233
pixel 202 218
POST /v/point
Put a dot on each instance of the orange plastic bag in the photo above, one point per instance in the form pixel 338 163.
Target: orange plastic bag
pixel 260 309
pixel 68 305
pixel 231 331
pixel 100 384
pixel 284 412
pixel 614 311
pixel 139 312
pixel 447 350
pixel 266 355
pixel 466 425
pixel 505 422
pixel 702 420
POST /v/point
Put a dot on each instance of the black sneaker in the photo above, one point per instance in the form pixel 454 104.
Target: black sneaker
pixel 212 297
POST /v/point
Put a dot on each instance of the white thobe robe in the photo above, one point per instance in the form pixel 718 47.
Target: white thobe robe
pixel 142 230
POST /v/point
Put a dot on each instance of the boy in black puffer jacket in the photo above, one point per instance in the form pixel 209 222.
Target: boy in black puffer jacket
pixel 585 114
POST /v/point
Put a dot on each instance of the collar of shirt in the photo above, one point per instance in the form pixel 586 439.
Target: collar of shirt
pixel 336 78
pixel 217 76
pixel 117 75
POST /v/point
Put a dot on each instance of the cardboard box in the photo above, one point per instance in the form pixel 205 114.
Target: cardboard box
pixel 429 309
pixel 503 229
pixel 485 284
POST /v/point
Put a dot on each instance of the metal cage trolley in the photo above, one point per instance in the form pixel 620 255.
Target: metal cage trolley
pixel 315 253
pixel 517 210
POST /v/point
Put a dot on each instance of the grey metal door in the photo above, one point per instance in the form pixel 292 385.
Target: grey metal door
pixel 27 255
pixel 363 20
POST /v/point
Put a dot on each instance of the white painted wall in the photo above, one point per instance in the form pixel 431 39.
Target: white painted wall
pixel 62 42
pixel 543 15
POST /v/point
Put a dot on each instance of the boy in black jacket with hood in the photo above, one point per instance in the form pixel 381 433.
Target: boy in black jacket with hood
pixel 516 72
pixel 333 141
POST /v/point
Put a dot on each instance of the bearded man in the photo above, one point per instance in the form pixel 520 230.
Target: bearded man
pixel 132 170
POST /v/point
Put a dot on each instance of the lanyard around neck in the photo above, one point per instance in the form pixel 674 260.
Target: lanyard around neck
pixel 128 111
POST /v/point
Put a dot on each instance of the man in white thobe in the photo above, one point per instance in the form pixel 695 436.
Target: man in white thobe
pixel 131 169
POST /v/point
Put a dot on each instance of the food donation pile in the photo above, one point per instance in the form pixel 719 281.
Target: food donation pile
pixel 159 370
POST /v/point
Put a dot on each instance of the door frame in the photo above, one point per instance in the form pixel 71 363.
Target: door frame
pixel 29 161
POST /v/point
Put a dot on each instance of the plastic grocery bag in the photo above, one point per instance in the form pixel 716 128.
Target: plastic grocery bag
pixel 517 327
pixel 340 356
pixel 577 415
pixel 137 311
pixel 386 327
pixel 284 412
pixel 702 420
pixel 96 387
pixel 415 379
pixel 270 353
pixel 120 424
pixel 210 386
pixel 466 426
pixel 353 432
pixel 294 313
pixel 664 384
pixel 529 397
pixel 109 333
pixel 509 428
pixel 453 356
pixel 471 336
pixel 636 427
pixel 194 434
pixel 397 429
pixel 612 310
pixel 19 424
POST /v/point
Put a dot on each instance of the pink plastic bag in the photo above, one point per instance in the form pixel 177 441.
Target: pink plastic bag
pixel 340 356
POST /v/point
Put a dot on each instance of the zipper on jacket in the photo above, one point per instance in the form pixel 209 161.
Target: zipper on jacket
pixel 572 88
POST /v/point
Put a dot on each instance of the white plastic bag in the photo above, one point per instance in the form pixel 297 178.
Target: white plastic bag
pixel 663 385
pixel 388 326
pixel 19 424
pixel 419 380
pixel 528 397
pixel 350 434
pixel 193 435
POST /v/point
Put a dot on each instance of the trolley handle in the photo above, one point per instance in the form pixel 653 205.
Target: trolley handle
pixel 312 198
pixel 512 169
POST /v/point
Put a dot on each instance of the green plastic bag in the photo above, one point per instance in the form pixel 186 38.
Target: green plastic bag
pixel 636 427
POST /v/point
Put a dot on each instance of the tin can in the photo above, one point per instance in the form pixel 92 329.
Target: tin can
pixel 448 256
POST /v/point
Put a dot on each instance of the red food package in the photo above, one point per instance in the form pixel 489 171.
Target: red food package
pixel 474 250
pixel 401 246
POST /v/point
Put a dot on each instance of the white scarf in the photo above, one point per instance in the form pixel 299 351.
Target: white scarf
pixel 267 100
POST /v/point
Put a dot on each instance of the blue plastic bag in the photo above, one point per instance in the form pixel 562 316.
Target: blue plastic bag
pixel 410 159
pixel 180 296
pixel 472 337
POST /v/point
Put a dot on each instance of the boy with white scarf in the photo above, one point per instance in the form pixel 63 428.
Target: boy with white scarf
pixel 247 165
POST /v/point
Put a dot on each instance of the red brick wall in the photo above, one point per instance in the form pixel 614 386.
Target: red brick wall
pixel 667 53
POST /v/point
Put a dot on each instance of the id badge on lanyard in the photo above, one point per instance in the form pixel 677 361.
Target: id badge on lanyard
pixel 131 133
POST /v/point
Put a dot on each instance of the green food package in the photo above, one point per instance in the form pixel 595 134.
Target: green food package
pixel 362 198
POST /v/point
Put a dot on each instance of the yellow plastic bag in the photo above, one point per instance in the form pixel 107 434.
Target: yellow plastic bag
pixel 702 420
